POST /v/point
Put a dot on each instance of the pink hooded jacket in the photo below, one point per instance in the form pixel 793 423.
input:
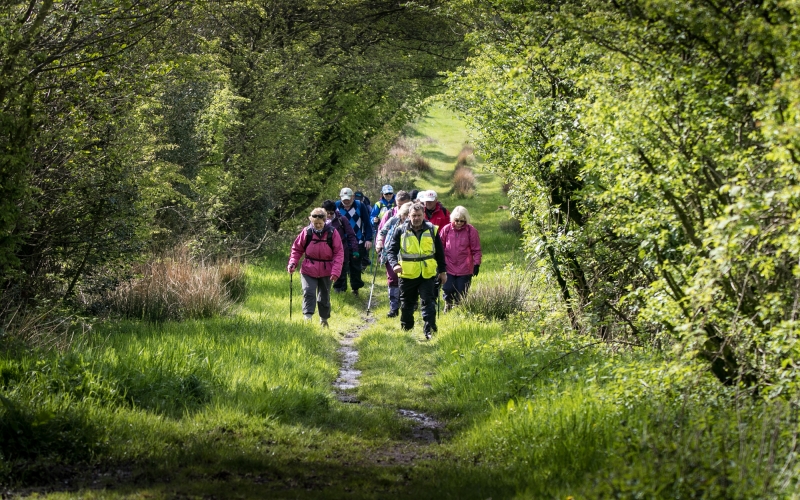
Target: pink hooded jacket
pixel 462 249
pixel 319 261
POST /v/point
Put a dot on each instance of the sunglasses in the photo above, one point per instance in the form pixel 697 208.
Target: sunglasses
pixel 317 216
pixel 460 220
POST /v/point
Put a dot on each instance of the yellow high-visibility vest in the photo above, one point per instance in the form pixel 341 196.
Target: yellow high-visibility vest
pixel 417 255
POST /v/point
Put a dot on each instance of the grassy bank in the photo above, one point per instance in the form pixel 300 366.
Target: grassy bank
pixel 243 405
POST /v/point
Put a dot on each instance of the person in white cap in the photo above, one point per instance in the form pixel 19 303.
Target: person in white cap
pixel 358 216
pixel 435 213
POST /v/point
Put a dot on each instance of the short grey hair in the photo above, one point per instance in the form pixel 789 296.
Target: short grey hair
pixel 459 213
pixel 417 206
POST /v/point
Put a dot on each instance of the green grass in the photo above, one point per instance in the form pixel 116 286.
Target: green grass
pixel 242 406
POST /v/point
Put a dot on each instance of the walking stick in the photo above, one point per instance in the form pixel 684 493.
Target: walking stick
pixel 437 301
pixel 372 252
pixel 291 292
pixel 369 302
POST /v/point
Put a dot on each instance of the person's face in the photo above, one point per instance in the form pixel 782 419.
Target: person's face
pixel 401 203
pixel 416 218
pixel 318 220
pixel 430 205
pixel 388 196
pixel 347 203
pixel 331 215
pixel 459 223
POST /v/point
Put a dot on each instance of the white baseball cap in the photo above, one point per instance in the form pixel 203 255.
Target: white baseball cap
pixel 429 195
pixel 346 194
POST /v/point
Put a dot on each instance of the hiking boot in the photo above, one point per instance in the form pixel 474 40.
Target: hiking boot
pixel 339 290
pixel 323 323
pixel 355 292
pixel 393 313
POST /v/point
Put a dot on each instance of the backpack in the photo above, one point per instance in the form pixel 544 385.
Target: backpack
pixel 310 237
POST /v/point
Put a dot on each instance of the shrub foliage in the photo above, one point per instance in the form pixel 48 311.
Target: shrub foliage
pixel 650 146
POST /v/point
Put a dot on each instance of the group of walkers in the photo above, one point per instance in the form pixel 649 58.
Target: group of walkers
pixel 424 248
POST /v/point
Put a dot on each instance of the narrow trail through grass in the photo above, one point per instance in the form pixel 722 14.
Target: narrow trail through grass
pixel 253 405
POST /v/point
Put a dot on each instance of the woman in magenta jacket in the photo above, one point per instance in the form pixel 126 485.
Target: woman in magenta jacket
pixel 322 265
pixel 462 253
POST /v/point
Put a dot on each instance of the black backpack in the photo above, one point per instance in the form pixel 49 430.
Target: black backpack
pixel 310 237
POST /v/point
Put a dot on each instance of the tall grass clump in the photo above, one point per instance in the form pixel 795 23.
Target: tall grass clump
pixel 42 327
pixel 421 165
pixel 466 156
pixel 497 298
pixel 512 226
pixel 179 287
pixel 463 182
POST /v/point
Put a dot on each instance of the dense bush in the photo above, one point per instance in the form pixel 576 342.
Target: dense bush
pixel 650 146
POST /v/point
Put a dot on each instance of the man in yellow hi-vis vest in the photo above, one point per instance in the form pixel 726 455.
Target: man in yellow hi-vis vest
pixel 416 255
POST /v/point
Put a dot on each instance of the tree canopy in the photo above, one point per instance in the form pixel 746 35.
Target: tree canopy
pixel 132 125
pixel 651 151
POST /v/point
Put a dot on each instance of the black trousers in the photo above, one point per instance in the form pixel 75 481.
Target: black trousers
pixel 351 267
pixel 412 290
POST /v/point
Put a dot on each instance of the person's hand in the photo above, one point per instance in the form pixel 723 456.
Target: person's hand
pixel 356 255
pixel 475 269
pixel 368 245
pixel 334 278
pixel 291 267
pixel 397 269
pixel 378 247
pixel 443 278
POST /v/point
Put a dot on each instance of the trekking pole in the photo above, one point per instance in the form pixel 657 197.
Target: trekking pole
pixel 291 292
pixel 372 251
pixel 369 302
pixel 437 301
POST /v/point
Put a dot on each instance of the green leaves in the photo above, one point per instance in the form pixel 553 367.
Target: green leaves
pixel 652 146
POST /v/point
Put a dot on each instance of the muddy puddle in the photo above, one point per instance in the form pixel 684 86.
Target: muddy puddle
pixel 348 375
pixel 425 428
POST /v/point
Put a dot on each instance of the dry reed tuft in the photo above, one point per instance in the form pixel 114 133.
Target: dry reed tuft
pixel 463 182
pixel 466 156
pixel 39 328
pixel 393 166
pixel 177 287
pixel 403 147
pixel 421 165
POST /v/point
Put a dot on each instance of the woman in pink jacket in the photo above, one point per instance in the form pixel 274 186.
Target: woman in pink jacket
pixel 462 254
pixel 322 265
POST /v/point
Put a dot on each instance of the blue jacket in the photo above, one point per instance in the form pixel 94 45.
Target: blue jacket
pixel 358 215
pixel 382 206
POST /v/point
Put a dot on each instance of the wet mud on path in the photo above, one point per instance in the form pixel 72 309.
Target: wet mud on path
pixel 425 429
